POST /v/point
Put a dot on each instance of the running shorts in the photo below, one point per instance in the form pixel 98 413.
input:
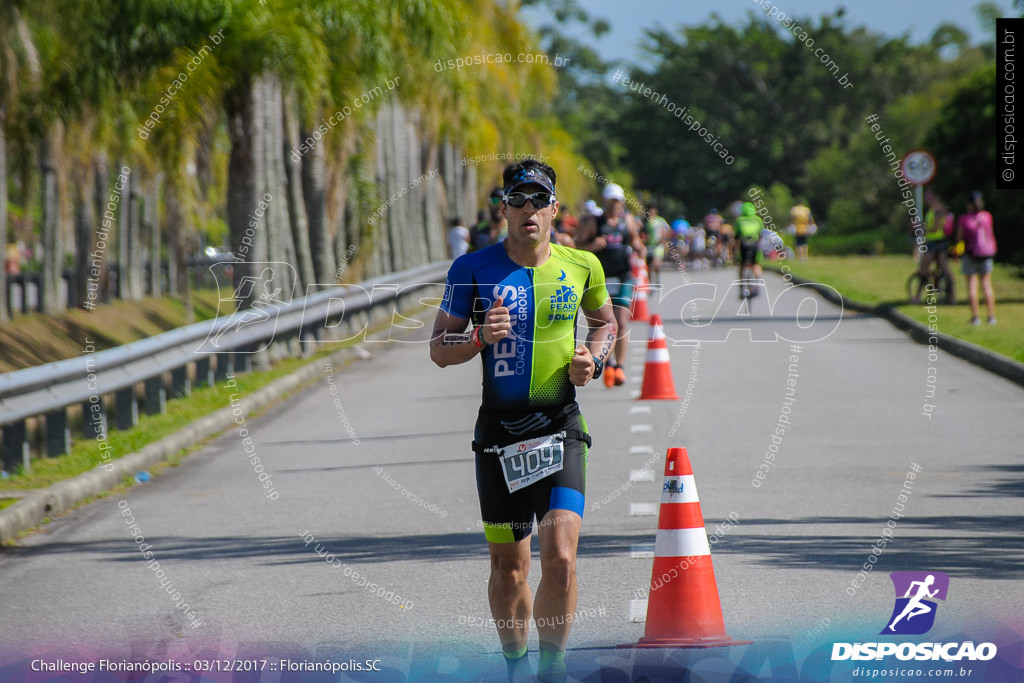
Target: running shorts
pixel 508 517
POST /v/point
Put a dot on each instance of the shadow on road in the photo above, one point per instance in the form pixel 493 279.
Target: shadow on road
pixel 1010 483
pixel 968 553
pixel 964 550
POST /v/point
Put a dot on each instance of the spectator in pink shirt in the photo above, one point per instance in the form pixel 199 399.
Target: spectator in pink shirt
pixel 975 229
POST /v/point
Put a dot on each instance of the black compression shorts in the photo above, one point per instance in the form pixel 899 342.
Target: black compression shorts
pixel 749 253
pixel 508 517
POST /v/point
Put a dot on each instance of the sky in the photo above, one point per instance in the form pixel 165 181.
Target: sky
pixel 891 17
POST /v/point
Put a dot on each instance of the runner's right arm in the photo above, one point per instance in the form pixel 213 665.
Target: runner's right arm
pixel 451 344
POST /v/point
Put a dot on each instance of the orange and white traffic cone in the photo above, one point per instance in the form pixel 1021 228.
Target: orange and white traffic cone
pixel 640 313
pixel 658 384
pixel 683 609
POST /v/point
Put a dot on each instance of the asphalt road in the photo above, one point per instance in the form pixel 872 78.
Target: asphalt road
pixel 372 464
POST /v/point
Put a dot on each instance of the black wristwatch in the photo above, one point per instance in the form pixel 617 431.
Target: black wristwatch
pixel 598 368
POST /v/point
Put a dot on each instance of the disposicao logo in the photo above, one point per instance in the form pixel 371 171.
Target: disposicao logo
pixel 913 615
pixel 914 612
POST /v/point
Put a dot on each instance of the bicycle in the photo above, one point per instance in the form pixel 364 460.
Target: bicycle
pixel 934 281
pixel 749 287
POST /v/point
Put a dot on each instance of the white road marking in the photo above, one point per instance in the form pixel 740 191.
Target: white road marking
pixel 637 611
pixel 641 475
pixel 643 509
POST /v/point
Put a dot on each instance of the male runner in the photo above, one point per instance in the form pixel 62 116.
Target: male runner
pixel 613 236
pixel 490 231
pixel 656 234
pixel 523 297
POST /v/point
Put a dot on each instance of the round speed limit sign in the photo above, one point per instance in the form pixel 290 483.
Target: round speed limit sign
pixel 918 166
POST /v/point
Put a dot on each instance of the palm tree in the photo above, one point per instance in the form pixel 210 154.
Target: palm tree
pixel 48 133
pixel 8 93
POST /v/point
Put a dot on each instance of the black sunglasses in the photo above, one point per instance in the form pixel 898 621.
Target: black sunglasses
pixel 539 199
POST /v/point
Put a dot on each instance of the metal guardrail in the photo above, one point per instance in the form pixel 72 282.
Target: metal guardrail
pixel 216 348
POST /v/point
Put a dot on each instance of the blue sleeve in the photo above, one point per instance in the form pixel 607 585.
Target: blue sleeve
pixel 458 289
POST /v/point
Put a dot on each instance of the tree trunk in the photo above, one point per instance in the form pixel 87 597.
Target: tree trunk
pixel 245 175
pixel 106 227
pixel 279 234
pixel 181 245
pixel 398 215
pixel 4 296
pixel 386 181
pixel 296 206
pixel 136 279
pixel 53 245
pixel 314 195
pixel 123 216
pixel 152 231
pixel 88 260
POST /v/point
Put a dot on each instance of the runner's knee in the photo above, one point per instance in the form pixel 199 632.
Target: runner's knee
pixel 508 576
pixel 558 569
pixel 509 571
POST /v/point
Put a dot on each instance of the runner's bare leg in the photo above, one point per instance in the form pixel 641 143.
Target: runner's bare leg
pixel 509 593
pixel 556 594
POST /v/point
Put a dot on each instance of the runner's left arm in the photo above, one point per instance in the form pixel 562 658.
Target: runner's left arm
pixel 636 241
pixel 600 340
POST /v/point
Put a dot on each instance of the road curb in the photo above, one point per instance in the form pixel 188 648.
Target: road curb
pixel 989 360
pixel 32 510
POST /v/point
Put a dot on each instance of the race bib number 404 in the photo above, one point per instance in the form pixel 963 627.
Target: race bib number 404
pixel 528 461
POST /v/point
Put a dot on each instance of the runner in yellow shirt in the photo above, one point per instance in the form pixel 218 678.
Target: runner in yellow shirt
pixel 803 225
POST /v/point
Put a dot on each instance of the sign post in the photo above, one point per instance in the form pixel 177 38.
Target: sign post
pixel 918 167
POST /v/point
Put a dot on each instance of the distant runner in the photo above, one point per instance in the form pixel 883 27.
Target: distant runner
pixel 613 236
pixel 656 234
pixel 803 225
pixel 490 231
pixel 521 300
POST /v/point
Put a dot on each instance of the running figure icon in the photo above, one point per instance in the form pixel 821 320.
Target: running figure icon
pixel 915 607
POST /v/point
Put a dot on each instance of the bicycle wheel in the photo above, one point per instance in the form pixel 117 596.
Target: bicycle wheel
pixel 943 285
pixel 747 285
pixel 914 283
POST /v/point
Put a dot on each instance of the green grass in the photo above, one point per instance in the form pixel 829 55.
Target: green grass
pixel 85 453
pixel 35 339
pixel 882 280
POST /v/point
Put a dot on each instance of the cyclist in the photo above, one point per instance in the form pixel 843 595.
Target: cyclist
pixel 613 236
pixel 938 224
pixel 748 245
pixel 728 234
pixel 520 300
